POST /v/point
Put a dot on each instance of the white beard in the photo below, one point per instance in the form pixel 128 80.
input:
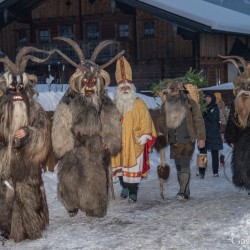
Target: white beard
pixel 19 116
pixel 94 101
pixel 176 110
pixel 125 101
pixel 19 119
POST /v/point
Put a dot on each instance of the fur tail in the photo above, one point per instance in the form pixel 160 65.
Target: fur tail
pixel 160 143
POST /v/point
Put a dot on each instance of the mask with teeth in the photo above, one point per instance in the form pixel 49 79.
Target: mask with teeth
pixel 16 87
pixel 89 78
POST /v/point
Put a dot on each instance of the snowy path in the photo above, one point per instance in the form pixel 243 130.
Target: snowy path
pixel 216 213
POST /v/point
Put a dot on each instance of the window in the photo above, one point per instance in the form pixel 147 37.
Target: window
pixel 123 30
pixel 43 36
pixel 149 29
pixel 22 36
pixel 67 31
pixel 93 31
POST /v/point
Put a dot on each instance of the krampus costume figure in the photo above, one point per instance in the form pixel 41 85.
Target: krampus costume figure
pixel 180 125
pixel 24 145
pixel 86 131
pixel 237 133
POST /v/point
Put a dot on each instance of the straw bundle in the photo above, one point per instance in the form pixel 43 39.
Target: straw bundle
pixel 193 92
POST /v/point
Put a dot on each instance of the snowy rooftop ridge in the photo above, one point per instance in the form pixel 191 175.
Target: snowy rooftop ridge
pixel 217 17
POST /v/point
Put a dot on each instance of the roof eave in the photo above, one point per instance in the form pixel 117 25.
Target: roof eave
pixel 183 22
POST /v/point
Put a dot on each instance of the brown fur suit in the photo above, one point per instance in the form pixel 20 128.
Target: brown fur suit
pixel 24 145
pixel 24 211
pixel 86 131
pixel 237 133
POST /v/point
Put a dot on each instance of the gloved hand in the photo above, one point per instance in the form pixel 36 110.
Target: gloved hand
pixel 143 139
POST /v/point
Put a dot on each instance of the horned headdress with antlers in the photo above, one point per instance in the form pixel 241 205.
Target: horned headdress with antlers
pixel 242 81
pixel 15 72
pixel 241 90
pixel 88 73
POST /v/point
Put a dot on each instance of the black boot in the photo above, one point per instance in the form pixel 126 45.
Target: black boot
pixel 73 212
pixel 124 193
pixel 222 160
pixel 202 172
pixel 133 188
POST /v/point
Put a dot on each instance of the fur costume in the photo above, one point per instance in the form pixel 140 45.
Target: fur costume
pixel 237 133
pixel 24 144
pixel 180 124
pixel 86 131
pixel 240 138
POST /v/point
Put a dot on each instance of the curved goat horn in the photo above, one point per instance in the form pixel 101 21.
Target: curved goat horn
pixel 26 58
pixel 106 77
pixel 68 59
pixel 74 45
pixel 112 60
pixel 9 65
pixel 241 59
pixel 234 63
pixel 99 48
pixel 24 51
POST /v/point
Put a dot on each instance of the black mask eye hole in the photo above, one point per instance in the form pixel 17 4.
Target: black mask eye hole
pixel 21 87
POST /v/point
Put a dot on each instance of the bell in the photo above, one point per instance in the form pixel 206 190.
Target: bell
pixel 202 160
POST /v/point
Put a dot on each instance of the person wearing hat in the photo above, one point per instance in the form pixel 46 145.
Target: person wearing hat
pixel 138 134
pixel 180 125
pixel 213 137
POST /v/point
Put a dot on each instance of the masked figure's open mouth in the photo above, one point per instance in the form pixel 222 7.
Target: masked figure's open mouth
pixel 17 98
pixel 89 91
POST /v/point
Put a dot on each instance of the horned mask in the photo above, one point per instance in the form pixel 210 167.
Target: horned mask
pixel 16 87
pixel 241 90
pixel 88 74
pixel 242 81
pixel 15 77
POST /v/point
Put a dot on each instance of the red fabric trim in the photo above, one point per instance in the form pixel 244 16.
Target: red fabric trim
pixel 131 174
pixel 122 65
pixel 147 150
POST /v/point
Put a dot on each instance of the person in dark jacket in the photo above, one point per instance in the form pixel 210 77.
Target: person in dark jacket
pixel 213 137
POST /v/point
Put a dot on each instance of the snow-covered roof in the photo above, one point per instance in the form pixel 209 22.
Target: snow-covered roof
pixel 216 17
pixel 223 86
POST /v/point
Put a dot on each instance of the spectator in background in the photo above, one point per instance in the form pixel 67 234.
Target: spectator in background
pixel 213 136
pixel 223 120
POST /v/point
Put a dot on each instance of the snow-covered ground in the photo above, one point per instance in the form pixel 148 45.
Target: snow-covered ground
pixel 216 217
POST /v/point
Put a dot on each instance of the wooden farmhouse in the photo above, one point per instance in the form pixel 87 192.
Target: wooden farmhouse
pixel 158 43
